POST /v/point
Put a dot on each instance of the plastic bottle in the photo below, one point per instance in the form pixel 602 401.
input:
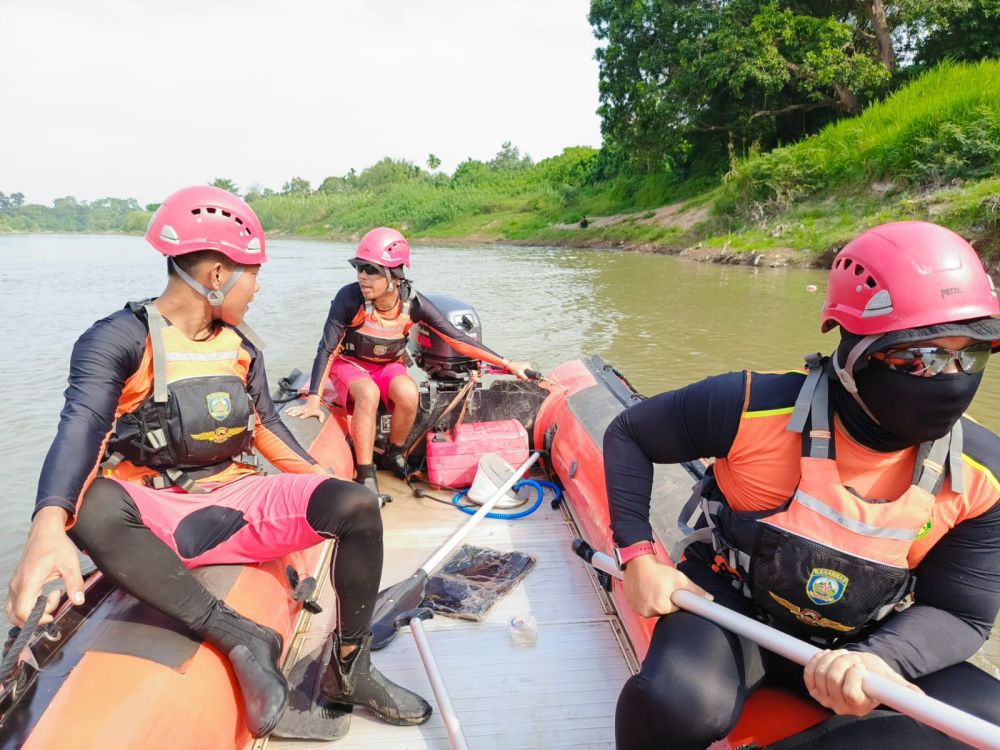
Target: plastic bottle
pixel 524 630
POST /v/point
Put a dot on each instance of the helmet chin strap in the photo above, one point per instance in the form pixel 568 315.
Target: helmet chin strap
pixel 846 374
pixel 215 297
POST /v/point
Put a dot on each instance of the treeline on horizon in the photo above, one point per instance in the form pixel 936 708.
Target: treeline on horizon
pixel 718 97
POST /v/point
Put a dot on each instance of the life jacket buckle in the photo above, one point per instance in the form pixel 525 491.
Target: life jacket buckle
pixel 157 482
pixel 721 565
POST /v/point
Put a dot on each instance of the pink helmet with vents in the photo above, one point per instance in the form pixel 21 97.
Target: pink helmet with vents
pixel 202 217
pixel 384 247
pixel 906 275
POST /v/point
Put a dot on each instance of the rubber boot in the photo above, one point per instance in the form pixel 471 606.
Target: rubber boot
pixel 354 681
pixel 310 716
pixel 366 476
pixel 393 460
pixel 254 651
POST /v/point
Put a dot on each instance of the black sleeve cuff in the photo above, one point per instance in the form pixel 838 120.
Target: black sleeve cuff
pixel 59 502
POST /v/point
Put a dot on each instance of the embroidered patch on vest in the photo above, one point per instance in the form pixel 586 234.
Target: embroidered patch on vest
pixel 219 406
pixel 380 350
pixel 219 434
pixel 925 529
pixel 826 586
pixel 810 616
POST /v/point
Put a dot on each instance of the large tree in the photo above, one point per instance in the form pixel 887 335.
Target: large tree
pixel 683 83
pixel 952 29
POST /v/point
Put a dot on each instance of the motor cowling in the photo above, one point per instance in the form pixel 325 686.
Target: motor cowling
pixel 432 353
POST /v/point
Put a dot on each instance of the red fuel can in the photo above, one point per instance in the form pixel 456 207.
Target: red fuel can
pixel 453 456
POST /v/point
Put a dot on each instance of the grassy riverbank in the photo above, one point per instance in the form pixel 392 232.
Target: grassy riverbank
pixel 930 151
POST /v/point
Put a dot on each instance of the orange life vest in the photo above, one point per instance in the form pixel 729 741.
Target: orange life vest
pixel 378 339
pixel 827 561
pixel 194 420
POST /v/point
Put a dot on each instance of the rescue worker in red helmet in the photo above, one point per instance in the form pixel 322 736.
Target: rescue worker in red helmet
pixel 362 348
pixel 850 504
pixel 154 468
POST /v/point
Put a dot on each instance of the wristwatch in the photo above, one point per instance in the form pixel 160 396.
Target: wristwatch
pixel 624 554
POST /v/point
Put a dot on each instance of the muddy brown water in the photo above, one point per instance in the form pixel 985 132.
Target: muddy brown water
pixel 662 321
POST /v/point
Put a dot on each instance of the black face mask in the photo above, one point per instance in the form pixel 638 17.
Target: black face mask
pixel 912 409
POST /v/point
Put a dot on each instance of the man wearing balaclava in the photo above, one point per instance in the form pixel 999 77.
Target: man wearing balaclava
pixel 850 504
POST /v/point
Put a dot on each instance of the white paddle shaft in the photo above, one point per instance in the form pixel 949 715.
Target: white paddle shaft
pixel 479 515
pixel 451 722
pixel 961 725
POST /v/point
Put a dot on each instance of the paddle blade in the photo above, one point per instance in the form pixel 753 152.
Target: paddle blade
pixel 394 601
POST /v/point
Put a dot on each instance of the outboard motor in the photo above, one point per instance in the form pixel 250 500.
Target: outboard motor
pixel 444 396
pixel 432 354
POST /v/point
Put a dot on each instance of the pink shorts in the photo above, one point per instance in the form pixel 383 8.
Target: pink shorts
pixel 253 519
pixel 345 371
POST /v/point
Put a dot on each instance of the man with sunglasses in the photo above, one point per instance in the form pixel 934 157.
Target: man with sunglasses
pixel 850 504
pixel 362 347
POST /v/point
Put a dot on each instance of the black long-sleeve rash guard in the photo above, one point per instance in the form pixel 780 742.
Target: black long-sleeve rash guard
pixel 103 359
pixel 344 308
pixel 958 582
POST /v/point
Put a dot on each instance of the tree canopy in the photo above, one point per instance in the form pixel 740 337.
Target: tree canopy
pixel 686 83
pixel 225 184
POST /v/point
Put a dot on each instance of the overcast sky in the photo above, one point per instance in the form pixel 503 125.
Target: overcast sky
pixel 135 99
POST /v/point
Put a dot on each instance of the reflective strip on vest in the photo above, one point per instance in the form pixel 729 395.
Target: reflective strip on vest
pixel 200 356
pixel 852 524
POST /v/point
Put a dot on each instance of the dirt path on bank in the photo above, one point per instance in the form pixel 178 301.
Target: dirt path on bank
pixel 671 215
pixel 685 218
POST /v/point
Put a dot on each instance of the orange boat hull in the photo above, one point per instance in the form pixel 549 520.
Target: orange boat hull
pixel 130 677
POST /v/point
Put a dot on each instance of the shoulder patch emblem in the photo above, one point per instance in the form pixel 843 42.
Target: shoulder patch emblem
pixel 220 405
pixel 826 586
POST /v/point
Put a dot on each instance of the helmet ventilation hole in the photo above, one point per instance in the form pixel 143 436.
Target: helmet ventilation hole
pixel 227 214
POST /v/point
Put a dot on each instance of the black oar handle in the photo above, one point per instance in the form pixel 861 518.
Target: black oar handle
pixel 420 613
pixel 584 550
pixel 21 639
pixel 534 375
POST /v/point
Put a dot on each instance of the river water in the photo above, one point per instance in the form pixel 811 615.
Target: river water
pixel 663 322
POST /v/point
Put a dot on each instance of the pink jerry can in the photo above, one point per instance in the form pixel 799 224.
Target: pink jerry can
pixel 453 456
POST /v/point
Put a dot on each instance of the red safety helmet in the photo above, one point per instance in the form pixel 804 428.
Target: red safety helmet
pixel 904 282
pixel 384 247
pixel 202 217
pixel 909 274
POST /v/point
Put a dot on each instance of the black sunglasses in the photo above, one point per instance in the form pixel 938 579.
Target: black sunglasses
pixel 369 270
